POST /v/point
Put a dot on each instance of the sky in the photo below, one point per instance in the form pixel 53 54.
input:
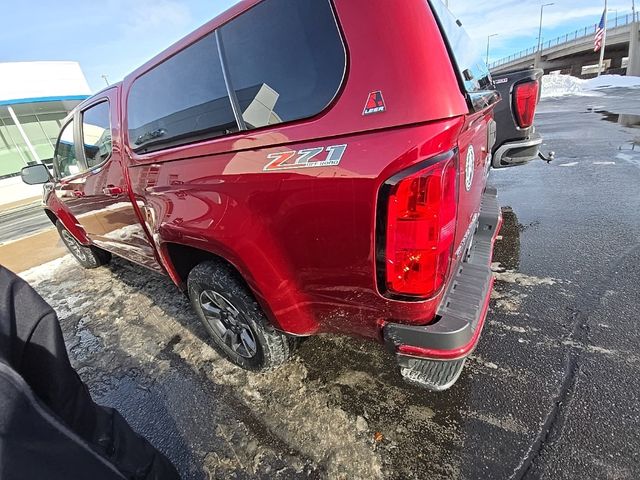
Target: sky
pixel 113 37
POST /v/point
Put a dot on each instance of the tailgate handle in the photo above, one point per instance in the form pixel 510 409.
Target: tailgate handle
pixel 112 190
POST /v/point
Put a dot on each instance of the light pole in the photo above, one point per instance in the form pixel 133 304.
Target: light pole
pixel 633 67
pixel 488 40
pixel 539 52
pixel 540 28
pixel 106 80
pixel 616 11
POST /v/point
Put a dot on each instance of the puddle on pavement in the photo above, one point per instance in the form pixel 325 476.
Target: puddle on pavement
pixel 624 119
pixel 507 250
pixel 86 342
pixel 632 146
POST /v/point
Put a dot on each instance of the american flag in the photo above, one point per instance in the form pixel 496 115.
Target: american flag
pixel 600 33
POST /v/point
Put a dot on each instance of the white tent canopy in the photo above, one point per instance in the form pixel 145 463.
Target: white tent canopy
pixel 35 80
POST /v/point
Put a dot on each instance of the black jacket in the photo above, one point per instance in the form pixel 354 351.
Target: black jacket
pixel 49 425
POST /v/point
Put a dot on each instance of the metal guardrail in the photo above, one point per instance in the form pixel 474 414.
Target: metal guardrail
pixel 573 37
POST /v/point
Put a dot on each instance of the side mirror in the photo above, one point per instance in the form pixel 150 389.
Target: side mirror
pixel 35 174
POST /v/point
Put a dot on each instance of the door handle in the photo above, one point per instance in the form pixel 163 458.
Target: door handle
pixel 112 190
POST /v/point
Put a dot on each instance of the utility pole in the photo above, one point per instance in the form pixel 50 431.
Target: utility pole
pixel 604 40
pixel 539 54
pixel 488 40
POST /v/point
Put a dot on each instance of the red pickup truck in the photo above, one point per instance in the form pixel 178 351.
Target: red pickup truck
pixel 300 167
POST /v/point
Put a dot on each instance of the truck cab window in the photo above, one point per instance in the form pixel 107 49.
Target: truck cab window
pixel 65 158
pixel 182 100
pixel 96 134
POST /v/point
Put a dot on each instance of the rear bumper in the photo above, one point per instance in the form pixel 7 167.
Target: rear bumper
pixel 518 152
pixel 464 307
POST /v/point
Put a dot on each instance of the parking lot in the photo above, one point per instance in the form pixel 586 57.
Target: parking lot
pixel 551 392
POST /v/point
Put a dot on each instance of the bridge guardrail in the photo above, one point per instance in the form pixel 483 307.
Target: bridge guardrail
pixel 573 37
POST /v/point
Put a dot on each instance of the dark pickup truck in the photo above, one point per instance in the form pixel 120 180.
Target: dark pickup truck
pixel 517 140
pixel 336 187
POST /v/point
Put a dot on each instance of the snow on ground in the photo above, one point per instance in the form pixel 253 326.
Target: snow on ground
pixel 611 81
pixel 338 409
pixel 133 338
pixel 561 85
pixel 45 271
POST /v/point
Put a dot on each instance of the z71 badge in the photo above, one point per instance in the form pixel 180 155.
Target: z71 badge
pixel 307 158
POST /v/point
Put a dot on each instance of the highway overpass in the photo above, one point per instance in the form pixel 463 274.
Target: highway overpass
pixel 572 51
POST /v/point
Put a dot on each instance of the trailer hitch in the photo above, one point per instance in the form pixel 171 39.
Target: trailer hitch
pixel 550 157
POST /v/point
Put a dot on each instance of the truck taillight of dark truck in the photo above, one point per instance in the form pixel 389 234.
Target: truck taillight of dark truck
pixel 335 187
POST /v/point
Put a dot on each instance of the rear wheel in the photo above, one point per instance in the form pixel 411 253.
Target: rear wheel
pixel 236 323
pixel 87 256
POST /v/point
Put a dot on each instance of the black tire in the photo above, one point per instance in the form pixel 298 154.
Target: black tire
pixel 234 319
pixel 87 256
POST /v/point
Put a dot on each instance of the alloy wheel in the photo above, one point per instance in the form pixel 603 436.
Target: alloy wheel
pixel 73 246
pixel 227 323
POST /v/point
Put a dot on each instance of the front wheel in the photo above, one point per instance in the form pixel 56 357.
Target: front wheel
pixel 238 327
pixel 87 256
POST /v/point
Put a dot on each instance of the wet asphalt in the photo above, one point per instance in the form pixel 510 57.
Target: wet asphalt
pixel 551 392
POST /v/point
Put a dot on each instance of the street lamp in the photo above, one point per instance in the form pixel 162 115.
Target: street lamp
pixel 540 29
pixel 488 40
pixel 614 10
pixel 539 53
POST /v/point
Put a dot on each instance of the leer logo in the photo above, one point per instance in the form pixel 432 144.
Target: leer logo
pixel 375 104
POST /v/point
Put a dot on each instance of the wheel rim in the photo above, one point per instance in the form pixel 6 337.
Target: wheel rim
pixel 73 245
pixel 227 323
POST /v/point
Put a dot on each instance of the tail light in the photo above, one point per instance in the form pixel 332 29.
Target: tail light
pixel 525 98
pixel 420 228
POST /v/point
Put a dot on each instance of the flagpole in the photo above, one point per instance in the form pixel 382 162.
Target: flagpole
pixel 604 40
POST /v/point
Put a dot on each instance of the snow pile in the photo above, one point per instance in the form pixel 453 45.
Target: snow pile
pixel 611 81
pixel 561 85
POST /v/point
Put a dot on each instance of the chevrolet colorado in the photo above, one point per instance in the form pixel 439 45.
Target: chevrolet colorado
pixel 299 167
